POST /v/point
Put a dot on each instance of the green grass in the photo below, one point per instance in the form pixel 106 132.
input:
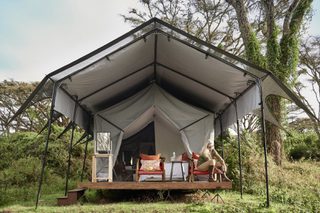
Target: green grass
pixel 294 187
pixel 233 203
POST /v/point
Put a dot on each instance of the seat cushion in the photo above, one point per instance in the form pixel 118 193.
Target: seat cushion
pixel 197 172
pixel 150 165
pixel 157 172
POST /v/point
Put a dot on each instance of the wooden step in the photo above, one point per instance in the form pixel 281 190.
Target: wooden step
pixel 71 198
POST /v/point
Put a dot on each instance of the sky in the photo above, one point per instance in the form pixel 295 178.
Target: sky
pixel 40 36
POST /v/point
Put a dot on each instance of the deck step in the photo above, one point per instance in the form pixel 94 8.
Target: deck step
pixel 71 198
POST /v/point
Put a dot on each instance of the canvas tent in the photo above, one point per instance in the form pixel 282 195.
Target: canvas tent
pixel 157 70
pixel 133 114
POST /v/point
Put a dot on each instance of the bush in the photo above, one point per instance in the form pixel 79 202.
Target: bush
pixel 302 146
pixel 22 172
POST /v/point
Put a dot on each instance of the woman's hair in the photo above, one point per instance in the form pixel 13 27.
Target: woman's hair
pixel 205 147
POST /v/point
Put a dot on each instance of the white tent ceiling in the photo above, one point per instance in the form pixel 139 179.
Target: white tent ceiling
pixel 158 53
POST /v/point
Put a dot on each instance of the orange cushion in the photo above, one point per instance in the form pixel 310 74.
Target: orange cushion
pixel 195 155
pixel 149 157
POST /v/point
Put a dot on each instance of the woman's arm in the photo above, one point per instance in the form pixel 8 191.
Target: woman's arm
pixel 216 155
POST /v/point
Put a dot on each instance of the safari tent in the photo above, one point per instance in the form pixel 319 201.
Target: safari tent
pixel 188 89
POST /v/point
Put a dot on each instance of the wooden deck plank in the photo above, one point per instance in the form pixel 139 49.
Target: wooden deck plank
pixel 155 185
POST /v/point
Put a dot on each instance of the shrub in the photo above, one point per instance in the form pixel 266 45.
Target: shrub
pixel 302 146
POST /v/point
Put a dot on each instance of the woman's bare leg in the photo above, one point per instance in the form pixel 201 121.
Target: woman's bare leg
pixel 208 166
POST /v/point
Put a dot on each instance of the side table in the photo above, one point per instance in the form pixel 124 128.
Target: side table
pixel 181 166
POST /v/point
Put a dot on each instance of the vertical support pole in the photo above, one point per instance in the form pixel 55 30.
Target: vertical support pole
pixel 70 147
pixel 44 159
pixel 264 140
pixel 239 147
pixel 85 158
pixel 221 136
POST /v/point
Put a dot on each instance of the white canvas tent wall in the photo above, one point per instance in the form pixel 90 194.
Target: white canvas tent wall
pixel 133 114
pixel 155 52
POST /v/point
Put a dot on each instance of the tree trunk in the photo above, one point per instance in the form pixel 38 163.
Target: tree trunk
pixel 274 139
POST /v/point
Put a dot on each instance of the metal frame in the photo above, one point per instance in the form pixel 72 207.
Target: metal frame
pixel 70 148
pixel 65 130
pixel 239 148
pixel 44 159
pixel 264 140
pixel 155 56
pixel 221 137
pixel 123 78
pixel 194 80
pixel 85 157
pixel 183 128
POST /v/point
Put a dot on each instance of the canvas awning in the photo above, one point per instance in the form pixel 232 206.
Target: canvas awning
pixel 157 53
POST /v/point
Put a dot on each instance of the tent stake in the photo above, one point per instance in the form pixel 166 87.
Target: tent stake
pixel 85 157
pixel 70 148
pixel 264 140
pixel 44 159
pixel 239 148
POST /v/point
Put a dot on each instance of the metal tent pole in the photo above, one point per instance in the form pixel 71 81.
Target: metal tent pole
pixel 264 140
pixel 44 159
pixel 239 147
pixel 221 137
pixel 85 157
pixel 70 147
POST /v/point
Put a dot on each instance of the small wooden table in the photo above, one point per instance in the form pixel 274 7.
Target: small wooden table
pixel 106 168
pixel 182 169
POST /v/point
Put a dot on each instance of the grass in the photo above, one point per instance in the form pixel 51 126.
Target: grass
pixel 294 187
pixel 233 203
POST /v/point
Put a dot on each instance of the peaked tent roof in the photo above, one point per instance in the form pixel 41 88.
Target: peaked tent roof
pixel 156 52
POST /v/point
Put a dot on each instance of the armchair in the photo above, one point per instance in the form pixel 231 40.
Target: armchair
pixel 193 171
pixel 147 165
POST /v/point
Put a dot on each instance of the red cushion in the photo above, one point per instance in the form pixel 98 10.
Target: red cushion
pixel 185 156
pixel 195 155
pixel 197 172
pixel 157 172
pixel 149 157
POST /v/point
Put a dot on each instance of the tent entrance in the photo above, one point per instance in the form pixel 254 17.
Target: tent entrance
pixel 141 142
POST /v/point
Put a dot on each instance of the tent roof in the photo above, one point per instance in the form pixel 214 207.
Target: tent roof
pixel 156 52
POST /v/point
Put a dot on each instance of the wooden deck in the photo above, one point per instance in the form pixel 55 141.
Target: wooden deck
pixel 155 185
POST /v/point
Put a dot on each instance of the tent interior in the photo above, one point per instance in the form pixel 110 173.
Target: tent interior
pixel 158 75
pixel 178 126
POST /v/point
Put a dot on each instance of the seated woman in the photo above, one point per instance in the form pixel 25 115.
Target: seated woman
pixel 209 160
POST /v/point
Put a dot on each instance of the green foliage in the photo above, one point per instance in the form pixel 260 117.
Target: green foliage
pixel 21 160
pixel 302 145
pixel 253 50
pixel 91 196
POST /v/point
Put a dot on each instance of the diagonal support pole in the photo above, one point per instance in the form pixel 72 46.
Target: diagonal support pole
pixel 85 157
pixel 221 137
pixel 70 147
pixel 44 159
pixel 239 147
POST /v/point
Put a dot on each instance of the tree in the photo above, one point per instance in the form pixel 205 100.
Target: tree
pixel 211 21
pixel 268 37
pixel 310 72
pixel 12 95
